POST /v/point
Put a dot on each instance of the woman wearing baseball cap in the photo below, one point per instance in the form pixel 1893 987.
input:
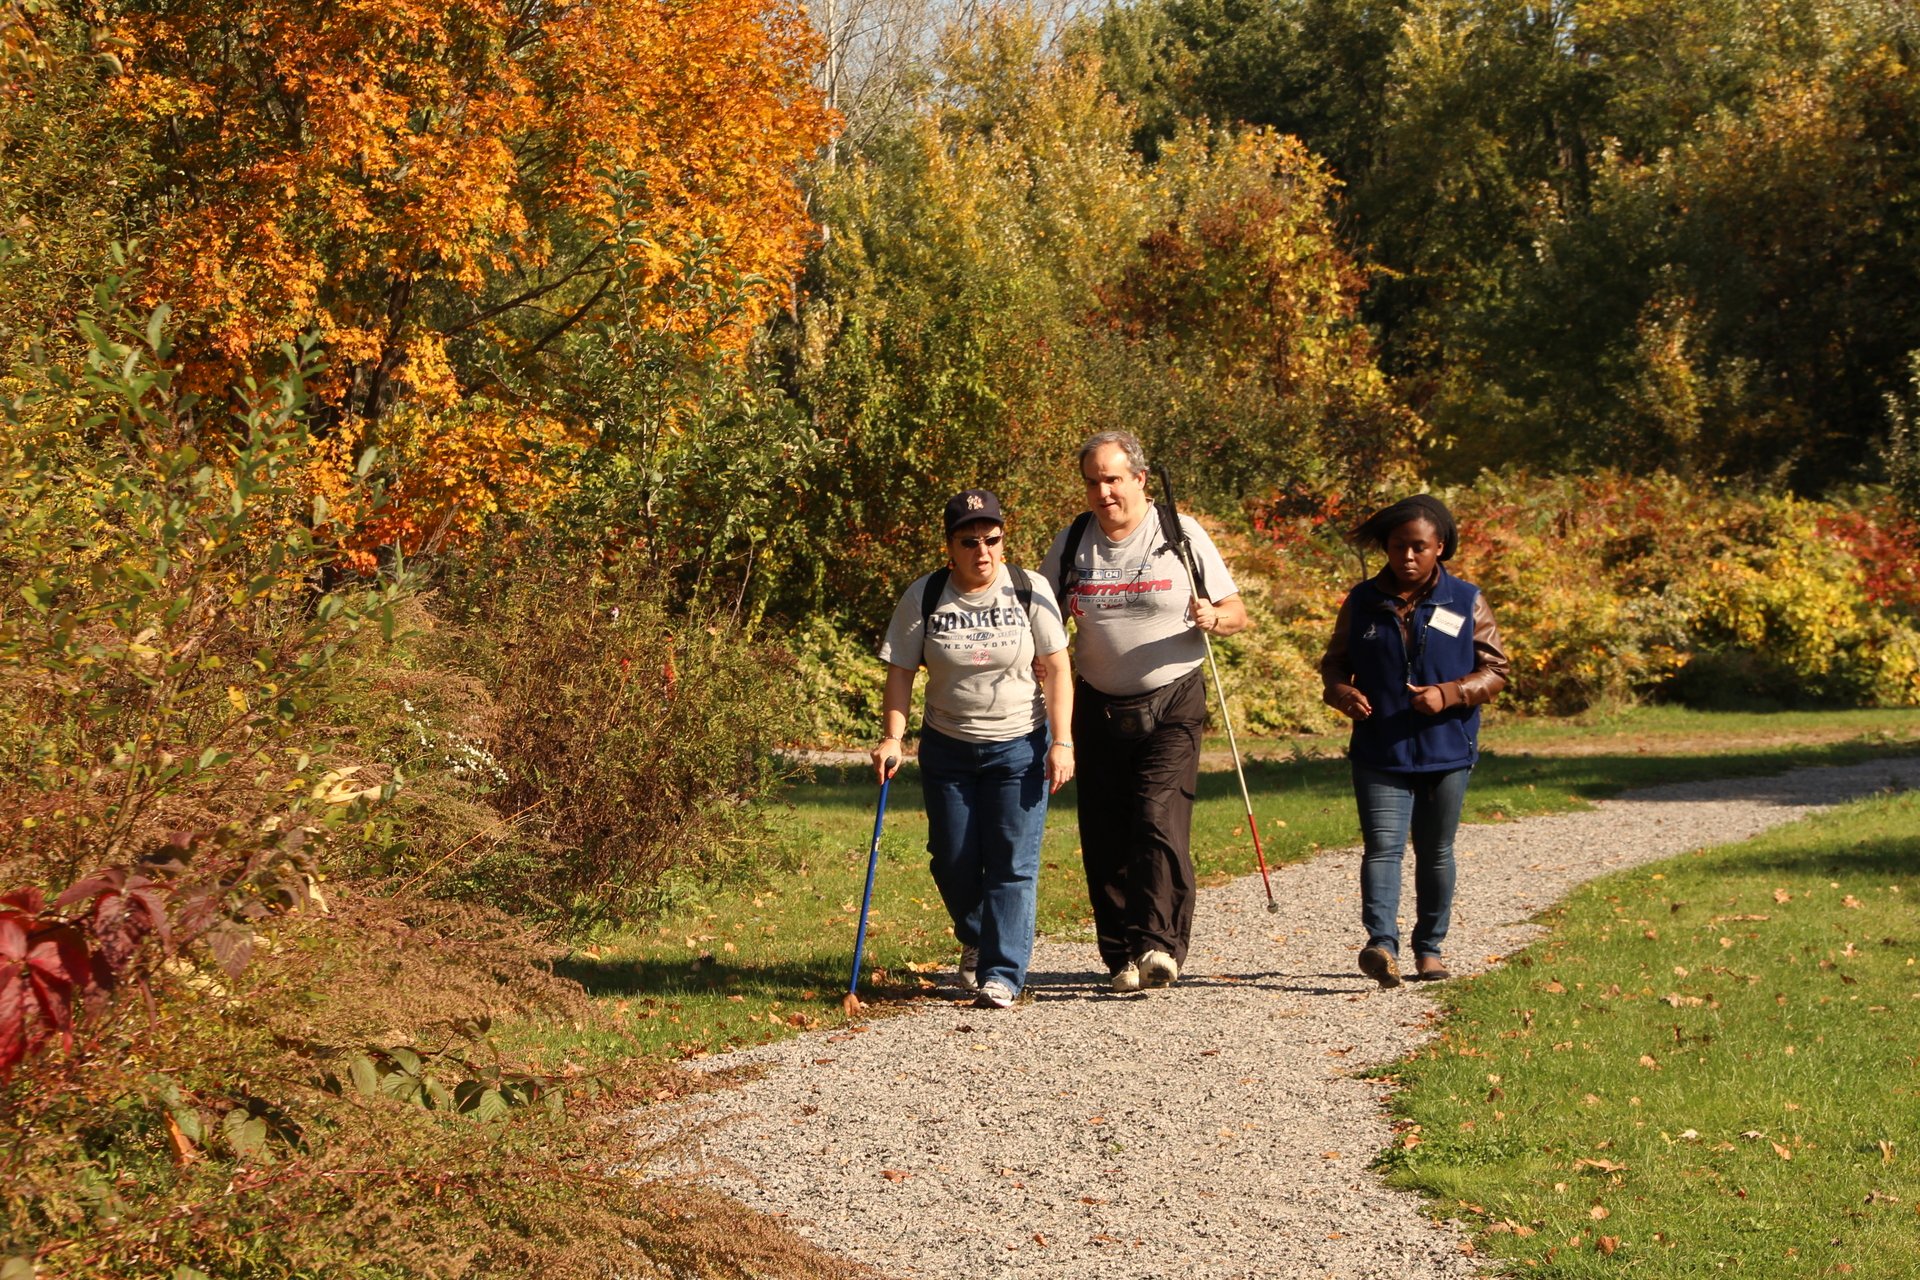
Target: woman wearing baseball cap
pixel 995 742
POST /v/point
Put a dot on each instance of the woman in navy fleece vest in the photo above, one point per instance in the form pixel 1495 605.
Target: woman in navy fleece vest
pixel 1414 655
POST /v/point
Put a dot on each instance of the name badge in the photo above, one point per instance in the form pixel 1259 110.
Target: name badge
pixel 1446 620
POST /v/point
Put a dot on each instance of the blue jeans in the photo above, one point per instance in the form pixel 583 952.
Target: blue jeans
pixel 986 811
pixel 1392 807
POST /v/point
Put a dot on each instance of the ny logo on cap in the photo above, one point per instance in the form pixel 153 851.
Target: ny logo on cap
pixel 974 503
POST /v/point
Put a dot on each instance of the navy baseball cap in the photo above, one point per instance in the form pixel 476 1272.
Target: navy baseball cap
pixel 969 505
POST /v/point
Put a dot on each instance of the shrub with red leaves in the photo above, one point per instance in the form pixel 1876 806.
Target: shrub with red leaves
pixel 53 959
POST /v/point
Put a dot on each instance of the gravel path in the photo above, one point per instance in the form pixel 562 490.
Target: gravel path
pixel 1215 1129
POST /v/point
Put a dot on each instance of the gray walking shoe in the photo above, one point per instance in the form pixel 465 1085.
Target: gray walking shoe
pixel 1158 969
pixel 994 995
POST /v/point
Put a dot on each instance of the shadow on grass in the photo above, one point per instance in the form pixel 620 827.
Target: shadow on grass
pixel 1887 859
pixel 635 977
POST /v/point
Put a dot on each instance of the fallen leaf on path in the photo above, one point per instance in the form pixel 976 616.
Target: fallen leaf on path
pixel 895 1175
pixel 1039 1239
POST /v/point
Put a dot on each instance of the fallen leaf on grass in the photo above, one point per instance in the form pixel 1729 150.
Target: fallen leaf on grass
pixel 1886 1152
pixel 1783 1152
pixel 1851 903
pixel 183 1150
pixel 1604 1166
pixel 1598 1212
pixel 1607 1244
pixel 1781 895
pixel 1648 1061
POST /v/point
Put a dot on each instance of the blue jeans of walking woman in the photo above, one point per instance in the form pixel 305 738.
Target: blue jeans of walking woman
pixel 986 811
pixel 1394 806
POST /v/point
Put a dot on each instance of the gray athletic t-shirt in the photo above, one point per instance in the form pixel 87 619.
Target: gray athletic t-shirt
pixel 1130 604
pixel 980 685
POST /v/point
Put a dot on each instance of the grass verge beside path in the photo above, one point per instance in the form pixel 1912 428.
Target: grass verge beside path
pixel 746 966
pixel 1709 1064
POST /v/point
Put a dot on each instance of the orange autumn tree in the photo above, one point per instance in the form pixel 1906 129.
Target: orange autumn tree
pixel 446 191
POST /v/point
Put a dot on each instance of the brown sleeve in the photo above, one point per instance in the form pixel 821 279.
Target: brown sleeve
pixel 1335 675
pixel 1489 675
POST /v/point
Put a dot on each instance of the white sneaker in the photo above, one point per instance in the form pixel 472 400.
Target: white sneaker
pixel 994 995
pixel 1158 969
pixel 1126 977
pixel 969 968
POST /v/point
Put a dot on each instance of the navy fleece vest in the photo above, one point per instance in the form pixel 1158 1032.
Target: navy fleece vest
pixel 1396 737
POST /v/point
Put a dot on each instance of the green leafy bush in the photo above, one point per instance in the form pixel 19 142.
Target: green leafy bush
pixel 168 653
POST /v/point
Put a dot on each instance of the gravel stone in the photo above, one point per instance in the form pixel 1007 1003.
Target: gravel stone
pixel 1214 1129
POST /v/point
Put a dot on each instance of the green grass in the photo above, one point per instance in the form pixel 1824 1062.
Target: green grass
pixel 1711 1062
pixel 743 966
pixel 1681 730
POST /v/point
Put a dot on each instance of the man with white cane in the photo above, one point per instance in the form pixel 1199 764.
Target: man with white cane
pixel 1140 705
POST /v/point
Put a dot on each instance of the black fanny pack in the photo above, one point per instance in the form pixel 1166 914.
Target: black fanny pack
pixel 1134 717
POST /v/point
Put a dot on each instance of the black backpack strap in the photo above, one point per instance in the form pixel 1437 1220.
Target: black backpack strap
pixel 1069 554
pixel 930 600
pixel 1170 519
pixel 1023 592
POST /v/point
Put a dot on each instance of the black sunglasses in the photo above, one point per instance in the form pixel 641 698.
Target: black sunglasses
pixel 972 543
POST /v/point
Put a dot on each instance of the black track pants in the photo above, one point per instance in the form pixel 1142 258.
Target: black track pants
pixel 1136 822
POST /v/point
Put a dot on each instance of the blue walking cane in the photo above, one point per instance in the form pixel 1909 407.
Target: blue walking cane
pixel 850 1004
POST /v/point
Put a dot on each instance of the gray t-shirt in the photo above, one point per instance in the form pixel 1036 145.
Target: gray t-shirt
pixel 1130 604
pixel 980 685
